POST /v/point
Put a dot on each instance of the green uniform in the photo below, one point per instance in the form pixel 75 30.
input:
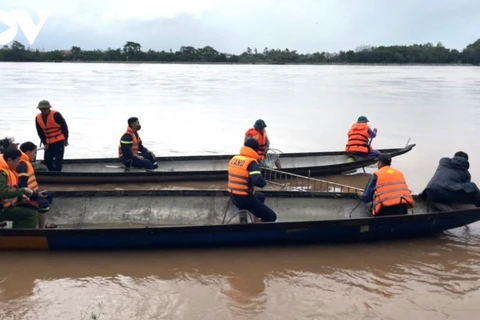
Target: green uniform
pixel 22 217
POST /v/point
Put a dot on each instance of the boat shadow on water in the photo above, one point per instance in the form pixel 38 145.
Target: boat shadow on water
pixel 92 220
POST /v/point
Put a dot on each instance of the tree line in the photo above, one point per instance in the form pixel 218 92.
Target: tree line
pixel 132 51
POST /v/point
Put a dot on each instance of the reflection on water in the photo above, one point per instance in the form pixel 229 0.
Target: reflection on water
pixel 425 278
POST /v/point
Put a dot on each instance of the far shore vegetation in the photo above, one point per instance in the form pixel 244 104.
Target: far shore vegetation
pixel 132 52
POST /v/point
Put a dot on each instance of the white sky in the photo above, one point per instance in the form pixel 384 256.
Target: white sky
pixel 232 26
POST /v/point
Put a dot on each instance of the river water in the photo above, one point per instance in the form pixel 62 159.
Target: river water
pixel 205 109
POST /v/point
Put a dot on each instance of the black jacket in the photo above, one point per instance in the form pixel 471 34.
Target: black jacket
pixel 451 176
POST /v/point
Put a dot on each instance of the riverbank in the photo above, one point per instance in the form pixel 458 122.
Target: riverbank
pixel 254 63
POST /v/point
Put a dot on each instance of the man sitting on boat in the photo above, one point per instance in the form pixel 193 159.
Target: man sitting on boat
pixel 243 175
pixel 21 216
pixel 131 151
pixel 358 139
pixel 387 190
pixel 259 133
pixel 27 179
pixel 452 182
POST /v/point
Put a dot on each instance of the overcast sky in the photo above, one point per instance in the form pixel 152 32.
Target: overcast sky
pixel 233 25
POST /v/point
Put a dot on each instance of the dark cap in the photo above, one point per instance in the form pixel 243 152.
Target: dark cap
pixel 260 124
pixel 252 143
pixel 44 104
pixel 362 119
pixel 385 158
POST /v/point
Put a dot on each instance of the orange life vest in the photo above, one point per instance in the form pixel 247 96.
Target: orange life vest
pixel 238 175
pixel 358 138
pixel 262 140
pixel 135 142
pixel 12 181
pixel 53 131
pixel 32 180
pixel 391 189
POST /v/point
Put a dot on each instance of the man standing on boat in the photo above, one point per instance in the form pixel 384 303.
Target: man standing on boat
pixel 358 139
pixel 52 130
pixel 243 176
pixel 387 190
pixel 259 133
pixel 452 183
pixel 22 217
pixel 131 151
pixel 27 179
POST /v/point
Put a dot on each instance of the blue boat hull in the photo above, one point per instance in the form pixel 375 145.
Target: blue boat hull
pixel 267 234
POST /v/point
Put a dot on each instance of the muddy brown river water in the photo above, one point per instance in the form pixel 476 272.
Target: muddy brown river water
pixel 201 110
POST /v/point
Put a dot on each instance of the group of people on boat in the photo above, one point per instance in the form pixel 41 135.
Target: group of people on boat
pixel 387 191
pixel 133 154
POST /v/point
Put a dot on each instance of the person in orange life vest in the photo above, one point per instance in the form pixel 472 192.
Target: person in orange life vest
pixel 243 176
pixel 358 136
pixel 387 190
pixel 52 130
pixel 27 179
pixel 259 133
pixel 10 194
pixel 131 150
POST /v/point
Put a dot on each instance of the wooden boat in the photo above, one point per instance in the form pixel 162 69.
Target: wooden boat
pixel 197 168
pixel 205 218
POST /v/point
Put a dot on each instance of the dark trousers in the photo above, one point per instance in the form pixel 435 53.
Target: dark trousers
pixel 451 197
pixel 256 205
pixel 43 203
pixel 147 163
pixel 395 210
pixel 22 217
pixel 53 156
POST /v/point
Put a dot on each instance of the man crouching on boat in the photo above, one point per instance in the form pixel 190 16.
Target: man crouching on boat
pixel 243 176
pixel 27 179
pixel 387 190
pixel 21 216
pixel 131 151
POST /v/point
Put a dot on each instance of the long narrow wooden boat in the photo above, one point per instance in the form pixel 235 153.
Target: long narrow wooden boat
pixel 197 168
pixel 205 218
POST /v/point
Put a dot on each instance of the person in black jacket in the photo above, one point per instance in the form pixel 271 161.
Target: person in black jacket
pixel 452 183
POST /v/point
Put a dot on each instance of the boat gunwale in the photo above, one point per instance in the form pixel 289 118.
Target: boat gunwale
pixel 229 156
pixel 205 174
pixel 250 227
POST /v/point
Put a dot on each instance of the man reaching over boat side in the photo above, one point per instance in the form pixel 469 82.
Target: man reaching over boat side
pixel 27 179
pixel 131 150
pixel 243 176
pixel 22 217
pixel 387 190
pixel 52 130
pixel 358 137
pixel 259 133
pixel 452 182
